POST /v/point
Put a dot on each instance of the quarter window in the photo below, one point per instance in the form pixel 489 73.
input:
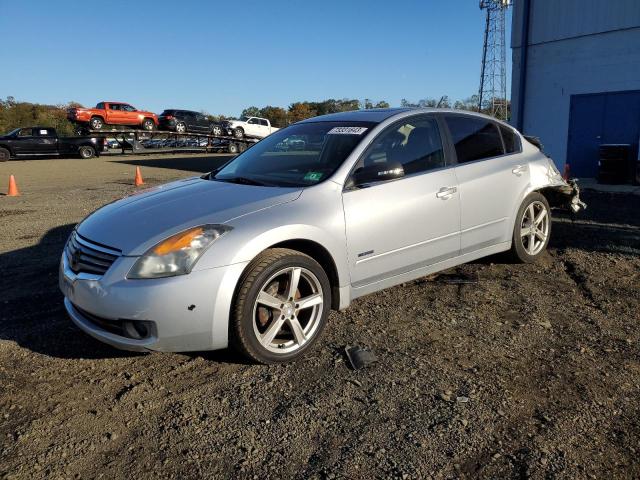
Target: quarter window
pixel 510 139
pixel 415 144
pixel 474 138
pixel 25 132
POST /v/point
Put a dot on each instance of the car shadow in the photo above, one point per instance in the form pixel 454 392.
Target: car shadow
pixel 32 313
pixel 198 164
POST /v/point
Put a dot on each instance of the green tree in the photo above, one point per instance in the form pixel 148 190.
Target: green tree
pixel 276 115
pixel 250 112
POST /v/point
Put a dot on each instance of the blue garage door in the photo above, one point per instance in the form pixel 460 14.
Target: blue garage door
pixel 597 119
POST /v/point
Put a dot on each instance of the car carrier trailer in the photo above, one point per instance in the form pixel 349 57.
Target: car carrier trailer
pixel 156 141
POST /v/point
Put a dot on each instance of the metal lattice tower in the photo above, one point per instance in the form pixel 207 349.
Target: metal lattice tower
pixel 493 76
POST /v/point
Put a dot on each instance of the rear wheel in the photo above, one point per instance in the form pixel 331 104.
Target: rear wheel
pixel 4 154
pixel 216 130
pixel 532 229
pixel 96 123
pixel 281 307
pixel 181 127
pixel 87 152
pixel 233 148
pixel 148 124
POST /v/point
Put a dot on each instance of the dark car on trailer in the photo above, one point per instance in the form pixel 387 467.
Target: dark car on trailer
pixel 44 141
pixel 187 121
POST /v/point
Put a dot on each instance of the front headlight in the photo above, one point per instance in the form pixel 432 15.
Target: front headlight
pixel 177 254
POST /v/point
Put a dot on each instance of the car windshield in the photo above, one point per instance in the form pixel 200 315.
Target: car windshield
pixel 15 130
pixel 298 156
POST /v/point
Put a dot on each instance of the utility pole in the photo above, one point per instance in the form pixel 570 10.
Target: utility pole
pixel 493 75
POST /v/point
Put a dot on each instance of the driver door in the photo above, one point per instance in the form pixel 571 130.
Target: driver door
pixel 400 225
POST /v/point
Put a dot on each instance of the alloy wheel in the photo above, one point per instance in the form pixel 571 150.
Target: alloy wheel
pixel 288 310
pixel 534 228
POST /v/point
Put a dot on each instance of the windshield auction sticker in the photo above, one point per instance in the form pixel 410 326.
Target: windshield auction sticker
pixel 347 131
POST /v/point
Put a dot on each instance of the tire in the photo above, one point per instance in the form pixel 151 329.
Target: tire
pixel 233 148
pixel 148 124
pixel 530 239
pixel 86 152
pixel 238 132
pixel 278 328
pixel 181 127
pixel 5 154
pixel 96 123
pixel 216 130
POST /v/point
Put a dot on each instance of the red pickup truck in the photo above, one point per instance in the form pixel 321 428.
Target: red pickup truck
pixel 113 113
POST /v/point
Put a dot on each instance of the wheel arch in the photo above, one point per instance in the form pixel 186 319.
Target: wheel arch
pixel 321 255
pixel 7 147
pixel 316 251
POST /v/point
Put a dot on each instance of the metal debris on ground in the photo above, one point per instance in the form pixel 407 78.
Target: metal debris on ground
pixel 359 358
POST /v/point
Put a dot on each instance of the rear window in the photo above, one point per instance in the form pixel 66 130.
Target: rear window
pixel 168 112
pixel 474 138
pixel 510 139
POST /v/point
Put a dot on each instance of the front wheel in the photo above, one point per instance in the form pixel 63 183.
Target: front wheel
pixel 4 154
pixel 238 133
pixel 532 229
pixel 281 306
pixel 87 152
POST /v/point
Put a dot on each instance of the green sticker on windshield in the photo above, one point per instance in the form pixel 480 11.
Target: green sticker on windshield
pixel 313 176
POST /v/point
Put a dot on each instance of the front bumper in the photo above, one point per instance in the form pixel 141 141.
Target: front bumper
pixel 187 312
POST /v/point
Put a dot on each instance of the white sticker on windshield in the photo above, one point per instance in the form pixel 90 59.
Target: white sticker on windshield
pixel 347 131
pixel 43 132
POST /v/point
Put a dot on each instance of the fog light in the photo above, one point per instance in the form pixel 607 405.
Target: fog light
pixel 136 330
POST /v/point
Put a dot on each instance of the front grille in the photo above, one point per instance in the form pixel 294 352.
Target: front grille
pixel 85 256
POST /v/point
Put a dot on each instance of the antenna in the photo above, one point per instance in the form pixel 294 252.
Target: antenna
pixel 493 75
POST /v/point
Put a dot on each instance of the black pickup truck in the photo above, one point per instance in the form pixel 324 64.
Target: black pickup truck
pixel 44 141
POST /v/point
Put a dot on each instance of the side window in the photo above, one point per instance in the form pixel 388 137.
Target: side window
pixel 264 123
pixel 113 106
pixel 414 143
pixel 100 106
pixel 474 138
pixel 200 118
pixel 253 121
pixel 25 132
pixel 510 139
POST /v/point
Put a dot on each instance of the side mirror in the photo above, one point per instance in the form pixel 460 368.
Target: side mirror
pixel 377 172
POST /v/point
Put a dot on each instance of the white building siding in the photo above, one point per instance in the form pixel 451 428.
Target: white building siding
pixel 575 47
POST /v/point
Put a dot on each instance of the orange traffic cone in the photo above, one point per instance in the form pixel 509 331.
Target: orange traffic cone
pixel 567 169
pixel 13 188
pixel 138 180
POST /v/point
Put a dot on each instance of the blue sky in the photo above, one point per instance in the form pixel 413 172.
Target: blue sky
pixel 222 56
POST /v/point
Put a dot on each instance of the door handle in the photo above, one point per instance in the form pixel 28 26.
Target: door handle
pixel 519 170
pixel 445 192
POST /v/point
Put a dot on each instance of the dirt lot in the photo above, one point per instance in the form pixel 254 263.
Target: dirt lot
pixel 532 372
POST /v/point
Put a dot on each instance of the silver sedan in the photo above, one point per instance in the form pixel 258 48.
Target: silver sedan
pixel 255 254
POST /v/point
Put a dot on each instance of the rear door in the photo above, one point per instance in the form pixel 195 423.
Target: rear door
pixel 130 115
pixel 115 114
pixel 397 226
pixel 490 181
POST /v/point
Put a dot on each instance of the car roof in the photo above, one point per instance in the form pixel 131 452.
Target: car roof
pixel 375 115
pixel 379 115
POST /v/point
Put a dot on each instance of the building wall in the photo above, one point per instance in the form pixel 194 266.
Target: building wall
pixel 574 47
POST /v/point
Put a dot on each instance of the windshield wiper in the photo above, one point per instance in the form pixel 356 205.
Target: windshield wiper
pixel 241 181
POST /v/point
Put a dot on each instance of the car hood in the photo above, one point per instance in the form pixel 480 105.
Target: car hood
pixel 136 223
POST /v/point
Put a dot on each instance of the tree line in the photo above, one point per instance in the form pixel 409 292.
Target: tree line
pixel 14 114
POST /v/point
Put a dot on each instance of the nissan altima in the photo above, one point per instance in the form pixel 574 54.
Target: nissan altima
pixel 255 254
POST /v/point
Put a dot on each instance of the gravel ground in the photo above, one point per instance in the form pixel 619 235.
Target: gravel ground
pixel 532 372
